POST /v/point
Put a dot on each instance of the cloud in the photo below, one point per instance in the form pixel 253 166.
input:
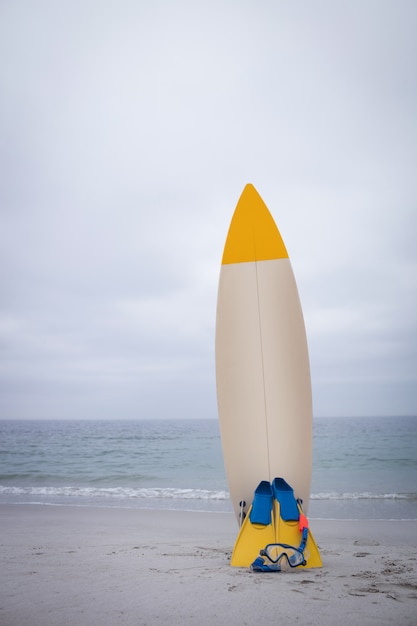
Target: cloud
pixel 128 133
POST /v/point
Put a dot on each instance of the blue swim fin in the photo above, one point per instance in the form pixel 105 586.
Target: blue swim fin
pixel 257 529
pixel 290 521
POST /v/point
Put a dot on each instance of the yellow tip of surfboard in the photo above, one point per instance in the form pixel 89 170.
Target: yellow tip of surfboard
pixel 253 234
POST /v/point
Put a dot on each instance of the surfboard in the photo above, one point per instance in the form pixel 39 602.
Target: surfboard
pixel 262 365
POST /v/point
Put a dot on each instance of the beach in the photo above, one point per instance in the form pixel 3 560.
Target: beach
pixel 100 566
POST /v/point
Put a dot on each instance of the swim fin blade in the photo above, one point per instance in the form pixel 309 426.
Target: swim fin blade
pixel 287 513
pixel 258 527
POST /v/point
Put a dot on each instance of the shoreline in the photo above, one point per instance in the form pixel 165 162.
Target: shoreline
pixel 89 565
pixel 164 507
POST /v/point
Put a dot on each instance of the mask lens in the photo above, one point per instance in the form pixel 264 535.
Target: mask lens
pixel 286 556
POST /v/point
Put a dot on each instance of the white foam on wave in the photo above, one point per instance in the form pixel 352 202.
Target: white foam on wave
pixel 116 492
pixel 333 495
pixel 171 493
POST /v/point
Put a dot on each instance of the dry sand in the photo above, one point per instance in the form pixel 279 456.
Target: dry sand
pixel 91 566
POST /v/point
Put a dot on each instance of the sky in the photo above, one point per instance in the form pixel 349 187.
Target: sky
pixel 128 131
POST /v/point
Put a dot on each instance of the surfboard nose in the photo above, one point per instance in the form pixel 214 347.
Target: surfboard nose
pixel 253 234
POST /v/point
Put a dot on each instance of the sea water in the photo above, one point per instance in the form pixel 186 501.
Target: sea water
pixel 363 468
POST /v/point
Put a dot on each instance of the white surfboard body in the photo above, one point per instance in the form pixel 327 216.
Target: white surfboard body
pixel 262 365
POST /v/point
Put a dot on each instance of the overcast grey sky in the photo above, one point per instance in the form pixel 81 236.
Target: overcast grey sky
pixel 128 131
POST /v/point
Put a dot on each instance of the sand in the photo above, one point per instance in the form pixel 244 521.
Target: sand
pixel 95 566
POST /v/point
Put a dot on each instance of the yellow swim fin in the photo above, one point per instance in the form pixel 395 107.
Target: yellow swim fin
pixel 257 529
pixel 287 516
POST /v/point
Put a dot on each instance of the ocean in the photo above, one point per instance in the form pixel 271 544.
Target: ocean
pixel 363 468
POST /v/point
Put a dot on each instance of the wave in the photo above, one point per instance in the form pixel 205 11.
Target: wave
pixel 170 493
pixel 121 493
pixel 333 495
